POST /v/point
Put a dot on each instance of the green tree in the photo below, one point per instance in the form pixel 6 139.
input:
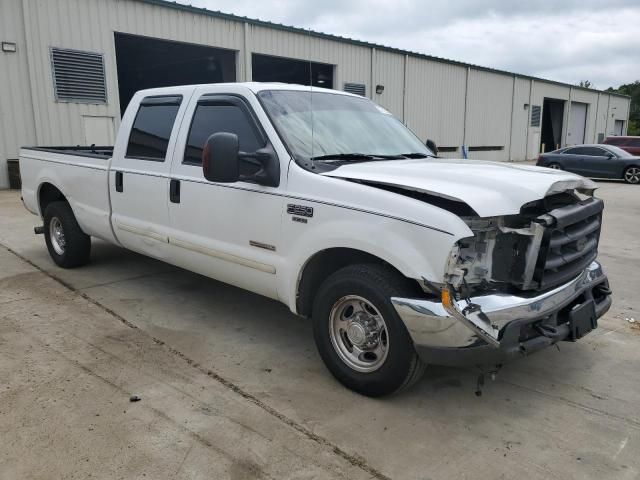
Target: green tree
pixel 632 90
pixel 585 84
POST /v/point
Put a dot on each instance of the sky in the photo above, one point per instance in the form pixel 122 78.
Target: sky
pixel 567 41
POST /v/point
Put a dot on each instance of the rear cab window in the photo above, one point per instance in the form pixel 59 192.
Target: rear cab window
pixel 152 127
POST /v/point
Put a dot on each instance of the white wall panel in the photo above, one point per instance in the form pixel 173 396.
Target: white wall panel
pixel 388 71
pixel 435 98
pixel 16 112
pixel 488 122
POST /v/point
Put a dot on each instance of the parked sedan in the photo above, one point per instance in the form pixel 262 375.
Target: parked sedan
pixel 597 161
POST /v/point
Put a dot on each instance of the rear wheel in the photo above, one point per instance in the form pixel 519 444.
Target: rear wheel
pixel 68 245
pixel 359 335
pixel 632 175
pixel 555 166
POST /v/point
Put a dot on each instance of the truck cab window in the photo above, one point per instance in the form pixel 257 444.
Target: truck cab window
pixel 151 130
pixel 209 119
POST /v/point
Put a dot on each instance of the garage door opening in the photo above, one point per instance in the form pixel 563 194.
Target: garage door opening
pixel 145 62
pixel 552 115
pixel 277 69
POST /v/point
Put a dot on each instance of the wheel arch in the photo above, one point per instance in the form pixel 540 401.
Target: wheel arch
pixel 324 263
pixel 47 193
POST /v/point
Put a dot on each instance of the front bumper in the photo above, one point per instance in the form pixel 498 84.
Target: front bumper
pixel 501 326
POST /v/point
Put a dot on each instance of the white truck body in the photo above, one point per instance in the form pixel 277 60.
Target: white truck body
pixel 260 237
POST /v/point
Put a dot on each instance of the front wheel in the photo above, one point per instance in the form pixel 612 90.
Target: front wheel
pixel 632 175
pixel 359 335
pixel 68 245
pixel 555 166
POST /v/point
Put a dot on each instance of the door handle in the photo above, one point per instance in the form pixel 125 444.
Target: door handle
pixel 118 181
pixel 174 191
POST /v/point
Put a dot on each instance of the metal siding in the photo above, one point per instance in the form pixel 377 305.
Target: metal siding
pixel 388 70
pixel 435 98
pixel 520 122
pixel 16 114
pixel 488 113
pixel 90 25
pixel 433 103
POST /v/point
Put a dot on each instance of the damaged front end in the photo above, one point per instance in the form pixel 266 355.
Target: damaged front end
pixel 520 283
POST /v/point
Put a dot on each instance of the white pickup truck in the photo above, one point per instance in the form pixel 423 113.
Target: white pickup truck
pixel 324 201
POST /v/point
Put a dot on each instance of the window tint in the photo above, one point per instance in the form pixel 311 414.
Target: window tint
pixel 634 142
pixel 588 151
pixel 209 119
pixel 151 130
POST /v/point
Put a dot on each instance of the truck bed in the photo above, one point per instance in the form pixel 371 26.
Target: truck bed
pixel 82 173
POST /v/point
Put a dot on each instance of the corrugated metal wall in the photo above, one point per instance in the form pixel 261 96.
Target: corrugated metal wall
pixel 450 103
pixel 17 127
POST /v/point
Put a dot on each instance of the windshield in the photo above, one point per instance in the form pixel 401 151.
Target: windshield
pixel 340 126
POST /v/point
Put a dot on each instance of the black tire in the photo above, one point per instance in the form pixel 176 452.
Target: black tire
pixel 632 174
pixel 77 244
pixel 377 284
pixel 555 166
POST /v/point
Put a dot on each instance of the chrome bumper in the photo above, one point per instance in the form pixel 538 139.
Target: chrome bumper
pixel 434 324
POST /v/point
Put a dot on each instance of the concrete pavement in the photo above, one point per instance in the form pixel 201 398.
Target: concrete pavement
pixel 254 399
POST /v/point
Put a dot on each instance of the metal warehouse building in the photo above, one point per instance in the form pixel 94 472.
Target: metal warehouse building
pixel 69 67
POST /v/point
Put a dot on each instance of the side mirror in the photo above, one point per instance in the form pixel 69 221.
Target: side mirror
pixel 609 155
pixel 220 158
pixel 431 145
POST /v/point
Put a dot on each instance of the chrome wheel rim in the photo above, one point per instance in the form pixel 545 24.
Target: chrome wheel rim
pixel 632 175
pixel 555 166
pixel 56 234
pixel 358 334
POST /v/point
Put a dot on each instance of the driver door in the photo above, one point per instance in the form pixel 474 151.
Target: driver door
pixel 227 231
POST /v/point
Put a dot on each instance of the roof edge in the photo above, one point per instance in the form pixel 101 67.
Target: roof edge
pixel 337 38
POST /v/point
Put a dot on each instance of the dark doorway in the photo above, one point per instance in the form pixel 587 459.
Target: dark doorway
pixel 145 62
pixel 277 69
pixel 552 115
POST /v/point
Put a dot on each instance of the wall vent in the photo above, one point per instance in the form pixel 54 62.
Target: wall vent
pixel 355 88
pixel 535 115
pixel 78 76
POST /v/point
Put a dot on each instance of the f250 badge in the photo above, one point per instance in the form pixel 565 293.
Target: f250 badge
pixel 300 210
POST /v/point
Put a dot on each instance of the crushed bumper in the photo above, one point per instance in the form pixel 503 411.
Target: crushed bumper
pixel 499 327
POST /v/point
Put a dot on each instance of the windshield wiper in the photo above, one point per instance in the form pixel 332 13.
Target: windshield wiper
pixel 356 156
pixel 415 155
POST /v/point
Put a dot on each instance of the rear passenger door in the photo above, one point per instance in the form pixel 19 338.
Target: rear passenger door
pixel 139 177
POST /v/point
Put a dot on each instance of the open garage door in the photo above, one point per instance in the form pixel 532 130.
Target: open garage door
pixel 266 68
pixel 551 132
pixel 145 62
pixel 577 123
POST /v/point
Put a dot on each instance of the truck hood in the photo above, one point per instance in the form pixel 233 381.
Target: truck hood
pixel 489 188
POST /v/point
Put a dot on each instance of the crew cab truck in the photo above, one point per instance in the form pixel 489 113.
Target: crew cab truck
pixel 324 201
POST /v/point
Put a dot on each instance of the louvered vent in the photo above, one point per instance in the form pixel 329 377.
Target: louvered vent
pixel 356 88
pixel 78 76
pixel 535 115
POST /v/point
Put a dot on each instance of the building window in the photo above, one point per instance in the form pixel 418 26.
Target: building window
pixel 149 138
pixel 78 76
pixel 356 88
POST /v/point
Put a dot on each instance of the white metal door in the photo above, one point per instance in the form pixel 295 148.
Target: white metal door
pixel 578 123
pixel 618 126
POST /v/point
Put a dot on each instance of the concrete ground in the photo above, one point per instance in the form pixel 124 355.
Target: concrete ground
pixel 231 385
